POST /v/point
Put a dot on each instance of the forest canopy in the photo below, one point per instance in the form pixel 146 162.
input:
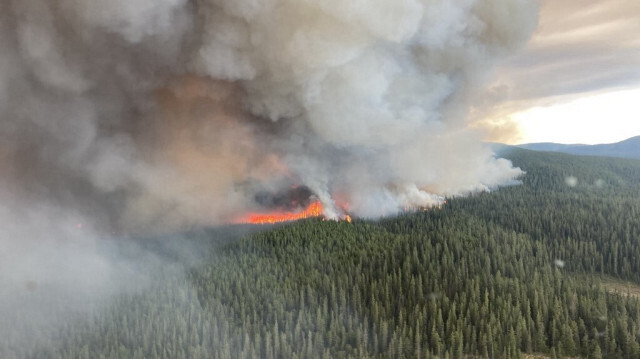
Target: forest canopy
pixel 492 275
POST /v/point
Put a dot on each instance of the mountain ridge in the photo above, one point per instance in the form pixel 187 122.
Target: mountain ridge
pixel 629 148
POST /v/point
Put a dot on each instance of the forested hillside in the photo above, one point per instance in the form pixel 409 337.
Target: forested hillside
pixel 493 275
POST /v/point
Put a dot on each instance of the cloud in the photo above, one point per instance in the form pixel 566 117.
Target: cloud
pixel 580 47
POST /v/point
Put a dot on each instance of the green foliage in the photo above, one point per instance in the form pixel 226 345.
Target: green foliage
pixel 477 277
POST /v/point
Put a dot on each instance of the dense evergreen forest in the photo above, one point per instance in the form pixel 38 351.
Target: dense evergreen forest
pixel 493 275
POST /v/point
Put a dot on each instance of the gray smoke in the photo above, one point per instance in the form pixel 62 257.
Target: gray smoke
pixel 140 113
pixel 134 116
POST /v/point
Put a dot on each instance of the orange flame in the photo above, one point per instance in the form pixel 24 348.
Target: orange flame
pixel 315 209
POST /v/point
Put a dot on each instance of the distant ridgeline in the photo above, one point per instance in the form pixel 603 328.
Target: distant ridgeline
pixel 629 148
pixel 494 275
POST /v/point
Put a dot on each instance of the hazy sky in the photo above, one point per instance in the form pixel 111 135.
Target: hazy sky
pixel 577 81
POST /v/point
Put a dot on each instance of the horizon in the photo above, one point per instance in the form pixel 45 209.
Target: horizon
pixel 574 143
pixel 576 81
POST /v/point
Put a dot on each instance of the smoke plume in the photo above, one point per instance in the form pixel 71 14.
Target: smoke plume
pixel 156 115
pixel 138 116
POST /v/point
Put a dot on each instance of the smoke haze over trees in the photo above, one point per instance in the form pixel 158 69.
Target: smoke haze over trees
pixel 131 116
pixel 494 275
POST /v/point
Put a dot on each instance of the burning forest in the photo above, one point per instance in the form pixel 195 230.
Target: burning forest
pixel 155 116
pixel 313 210
pixel 136 135
pixel 128 118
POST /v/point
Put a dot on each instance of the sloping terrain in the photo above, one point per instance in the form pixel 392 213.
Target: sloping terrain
pixel 492 275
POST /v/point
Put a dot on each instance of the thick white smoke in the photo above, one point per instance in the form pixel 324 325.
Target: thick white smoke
pixel 375 91
pixel 136 116
pixel 178 112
